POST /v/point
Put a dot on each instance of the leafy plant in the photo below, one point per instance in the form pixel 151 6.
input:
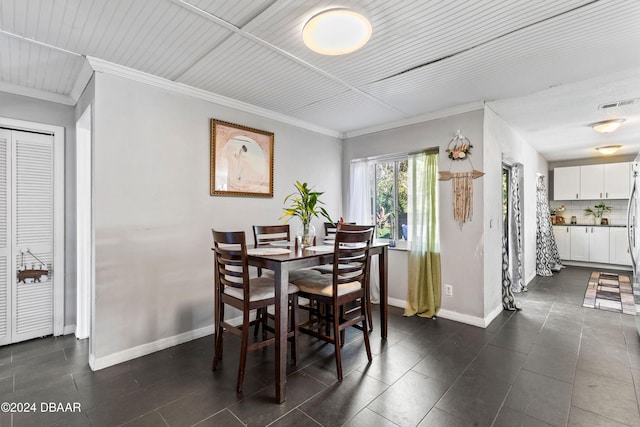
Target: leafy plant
pixel 305 204
pixel 598 210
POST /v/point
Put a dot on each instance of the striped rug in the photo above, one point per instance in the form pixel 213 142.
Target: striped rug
pixel 609 291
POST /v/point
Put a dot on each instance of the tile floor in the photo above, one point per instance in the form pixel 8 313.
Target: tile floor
pixel 553 363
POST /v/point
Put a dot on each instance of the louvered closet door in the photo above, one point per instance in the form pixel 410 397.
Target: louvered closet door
pixel 5 249
pixel 32 311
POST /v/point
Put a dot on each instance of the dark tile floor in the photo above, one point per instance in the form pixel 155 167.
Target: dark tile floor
pixel 553 363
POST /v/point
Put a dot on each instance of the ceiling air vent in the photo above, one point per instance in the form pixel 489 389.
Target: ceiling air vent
pixel 615 104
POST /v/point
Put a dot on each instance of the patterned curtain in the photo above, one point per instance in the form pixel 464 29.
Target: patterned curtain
pixel 515 230
pixel 547 257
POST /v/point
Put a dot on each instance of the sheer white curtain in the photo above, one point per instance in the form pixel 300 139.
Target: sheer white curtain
pixel 360 211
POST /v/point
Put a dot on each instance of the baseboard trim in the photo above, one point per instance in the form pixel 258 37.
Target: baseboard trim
pixel 481 322
pixel 142 350
pixel 597 265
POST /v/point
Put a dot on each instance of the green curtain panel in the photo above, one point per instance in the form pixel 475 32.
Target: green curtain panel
pixel 424 291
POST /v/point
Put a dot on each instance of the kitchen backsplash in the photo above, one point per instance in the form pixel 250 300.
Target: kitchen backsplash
pixel 617 216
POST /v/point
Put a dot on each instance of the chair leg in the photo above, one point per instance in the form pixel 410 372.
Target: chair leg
pixel 336 338
pixel 243 350
pixel 219 331
pixel 343 333
pixel 367 345
pixel 367 300
pixel 259 314
pixel 294 327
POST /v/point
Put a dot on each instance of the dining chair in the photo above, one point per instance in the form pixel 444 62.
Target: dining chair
pixel 346 285
pixel 264 235
pixel 235 288
pixel 328 269
pixel 330 228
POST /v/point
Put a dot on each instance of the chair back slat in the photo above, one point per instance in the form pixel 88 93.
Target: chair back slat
pixel 263 234
pixel 351 256
pixel 231 265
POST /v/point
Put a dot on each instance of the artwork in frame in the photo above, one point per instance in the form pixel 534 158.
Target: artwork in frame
pixel 241 160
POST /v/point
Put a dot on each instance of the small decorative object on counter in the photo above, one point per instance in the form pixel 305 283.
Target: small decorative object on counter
pixel 574 220
pixel 597 213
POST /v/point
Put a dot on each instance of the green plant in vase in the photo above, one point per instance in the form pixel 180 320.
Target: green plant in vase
pixel 598 211
pixel 305 204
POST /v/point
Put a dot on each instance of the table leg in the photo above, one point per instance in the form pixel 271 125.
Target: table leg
pixel 282 301
pixel 384 291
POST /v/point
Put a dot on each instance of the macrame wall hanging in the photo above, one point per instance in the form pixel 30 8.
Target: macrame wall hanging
pixel 458 150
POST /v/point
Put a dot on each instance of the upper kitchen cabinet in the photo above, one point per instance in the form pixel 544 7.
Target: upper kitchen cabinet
pixel 566 183
pixel 592 182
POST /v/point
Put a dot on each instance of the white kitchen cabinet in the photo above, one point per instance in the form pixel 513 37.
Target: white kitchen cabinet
pixel 617 180
pixel 579 243
pixel 591 182
pixel 566 183
pixel 619 246
pixel 590 244
pixel 562 234
pixel 599 244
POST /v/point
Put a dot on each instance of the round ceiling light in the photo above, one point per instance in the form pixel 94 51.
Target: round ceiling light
pixel 336 32
pixel 607 126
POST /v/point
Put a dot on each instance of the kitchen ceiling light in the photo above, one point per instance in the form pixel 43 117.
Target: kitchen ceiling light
pixel 336 32
pixel 607 126
pixel 609 149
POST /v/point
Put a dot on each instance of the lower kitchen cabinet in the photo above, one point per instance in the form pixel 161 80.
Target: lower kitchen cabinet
pixel 562 234
pixel 590 244
pixel 619 246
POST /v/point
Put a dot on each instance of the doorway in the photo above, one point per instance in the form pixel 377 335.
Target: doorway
pixel 31 230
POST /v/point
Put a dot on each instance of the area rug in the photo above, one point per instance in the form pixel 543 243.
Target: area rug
pixel 609 291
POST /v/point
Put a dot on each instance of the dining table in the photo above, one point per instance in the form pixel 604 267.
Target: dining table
pixel 281 262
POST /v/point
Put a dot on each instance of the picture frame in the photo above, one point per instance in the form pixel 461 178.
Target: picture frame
pixel 241 160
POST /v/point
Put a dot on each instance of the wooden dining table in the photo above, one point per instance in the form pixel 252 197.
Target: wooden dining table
pixel 303 258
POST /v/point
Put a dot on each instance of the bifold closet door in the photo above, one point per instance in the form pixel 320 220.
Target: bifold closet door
pixel 26 238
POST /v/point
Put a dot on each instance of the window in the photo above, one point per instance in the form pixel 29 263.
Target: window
pixel 390 198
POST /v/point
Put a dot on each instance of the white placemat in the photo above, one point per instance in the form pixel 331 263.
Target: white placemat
pixel 268 251
pixel 323 248
pixel 283 244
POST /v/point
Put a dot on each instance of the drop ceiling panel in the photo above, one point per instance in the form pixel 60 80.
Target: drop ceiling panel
pixel 550 53
pixel 406 34
pixel 259 76
pixel 157 37
pixel 347 111
pixel 238 12
pixel 37 67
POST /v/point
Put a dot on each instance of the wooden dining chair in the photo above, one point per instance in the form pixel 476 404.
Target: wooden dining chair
pixel 346 285
pixel 328 269
pixel 264 235
pixel 233 287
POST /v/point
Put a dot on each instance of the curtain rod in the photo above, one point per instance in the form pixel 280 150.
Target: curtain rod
pixel 396 156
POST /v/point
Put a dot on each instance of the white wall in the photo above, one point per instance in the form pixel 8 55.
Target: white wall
pixel 513 147
pixel 154 214
pixel 462 253
pixel 35 110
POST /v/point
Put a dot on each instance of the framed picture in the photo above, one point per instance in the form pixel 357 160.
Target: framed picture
pixel 241 161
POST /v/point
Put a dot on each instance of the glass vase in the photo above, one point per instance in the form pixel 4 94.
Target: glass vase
pixel 306 236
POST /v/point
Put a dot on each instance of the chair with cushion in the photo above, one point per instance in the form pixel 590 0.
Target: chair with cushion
pixel 233 287
pixel 346 285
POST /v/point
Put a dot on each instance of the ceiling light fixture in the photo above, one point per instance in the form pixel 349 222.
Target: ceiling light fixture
pixel 607 126
pixel 336 32
pixel 608 149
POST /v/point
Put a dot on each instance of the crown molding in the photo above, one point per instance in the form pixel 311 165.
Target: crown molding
pixel 433 115
pixel 36 93
pixel 85 74
pixel 107 67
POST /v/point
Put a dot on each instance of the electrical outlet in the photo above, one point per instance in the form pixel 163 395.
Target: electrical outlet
pixel 448 290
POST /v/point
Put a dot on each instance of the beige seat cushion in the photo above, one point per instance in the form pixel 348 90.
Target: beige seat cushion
pixel 293 274
pixel 261 288
pixel 328 268
pixel 322 284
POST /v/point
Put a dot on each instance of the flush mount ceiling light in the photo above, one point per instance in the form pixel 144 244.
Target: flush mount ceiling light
pixel 607 126
pixel 609 149
pixel 336 32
